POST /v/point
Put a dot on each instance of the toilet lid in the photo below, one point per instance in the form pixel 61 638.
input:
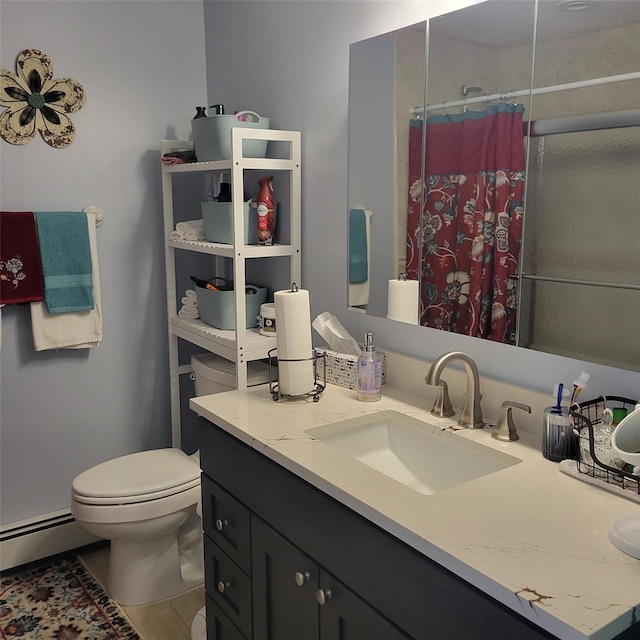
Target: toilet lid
pixel 137 477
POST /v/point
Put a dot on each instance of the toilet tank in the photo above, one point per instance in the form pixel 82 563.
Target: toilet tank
pixel 214 374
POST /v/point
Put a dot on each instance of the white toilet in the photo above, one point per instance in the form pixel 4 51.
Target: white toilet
pixel 145 504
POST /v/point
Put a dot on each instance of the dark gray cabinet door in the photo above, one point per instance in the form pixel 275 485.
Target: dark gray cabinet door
pixel 294 599
pixel 345 616
pixel 285 581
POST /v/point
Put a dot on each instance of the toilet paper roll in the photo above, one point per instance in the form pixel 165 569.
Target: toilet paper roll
pixel 403 301
pixel 293 340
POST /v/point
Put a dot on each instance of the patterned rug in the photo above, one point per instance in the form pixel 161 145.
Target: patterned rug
pixel 59 601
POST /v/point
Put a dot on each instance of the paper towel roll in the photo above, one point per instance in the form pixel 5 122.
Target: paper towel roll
pixel 403 301
pixel 293 319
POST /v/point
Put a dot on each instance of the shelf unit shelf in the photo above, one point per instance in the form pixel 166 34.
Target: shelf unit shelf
pixel 240 346
pixel 229 251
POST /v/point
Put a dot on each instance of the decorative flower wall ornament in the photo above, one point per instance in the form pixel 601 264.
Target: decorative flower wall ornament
pixel 35 101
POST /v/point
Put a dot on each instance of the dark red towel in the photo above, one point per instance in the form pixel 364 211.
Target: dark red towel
pixel 20 265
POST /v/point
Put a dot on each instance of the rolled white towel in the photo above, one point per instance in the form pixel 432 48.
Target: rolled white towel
pixel 189 313
pixel 195 234
pixel 189 302
pixel 183 227
pixel 176 235
pixel 191 293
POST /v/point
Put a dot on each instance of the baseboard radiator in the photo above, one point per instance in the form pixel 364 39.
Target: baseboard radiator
pixel 40 537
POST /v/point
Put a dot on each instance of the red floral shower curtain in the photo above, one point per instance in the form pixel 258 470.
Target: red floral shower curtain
pixel 464 246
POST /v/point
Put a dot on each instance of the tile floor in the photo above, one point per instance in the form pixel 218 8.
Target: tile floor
pixel 167 620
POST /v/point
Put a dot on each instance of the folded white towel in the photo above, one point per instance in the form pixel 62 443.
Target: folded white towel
pixel 75 330
pixel 189 313
pixel 183 227
pixel 191 293
pixel 176 235
pixel 189 302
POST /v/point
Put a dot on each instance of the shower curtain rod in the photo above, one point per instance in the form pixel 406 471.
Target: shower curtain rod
pixel 510 95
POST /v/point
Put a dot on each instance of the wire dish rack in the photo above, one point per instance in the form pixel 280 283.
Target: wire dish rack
pixel 587 415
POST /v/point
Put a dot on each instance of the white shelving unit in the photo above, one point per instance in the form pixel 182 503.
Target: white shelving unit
pixel 242 345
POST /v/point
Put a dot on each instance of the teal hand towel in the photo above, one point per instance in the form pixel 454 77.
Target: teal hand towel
pixel 358 268
pixel 66 260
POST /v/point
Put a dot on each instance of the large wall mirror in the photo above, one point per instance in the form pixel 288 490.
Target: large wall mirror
pixel 494 161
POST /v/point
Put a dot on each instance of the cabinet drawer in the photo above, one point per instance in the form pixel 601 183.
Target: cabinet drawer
pixel 226 521
pixel 219 627
pixel 228 586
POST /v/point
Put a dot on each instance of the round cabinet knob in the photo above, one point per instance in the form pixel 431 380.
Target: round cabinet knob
pixel 221 524
pixel 323 596
pixel 223 586
pixel 302 577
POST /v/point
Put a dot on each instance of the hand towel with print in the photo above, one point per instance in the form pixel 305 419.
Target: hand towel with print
pixel 66 260
pixel 20 264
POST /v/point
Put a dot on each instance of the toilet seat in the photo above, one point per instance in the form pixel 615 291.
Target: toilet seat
pixel 137 477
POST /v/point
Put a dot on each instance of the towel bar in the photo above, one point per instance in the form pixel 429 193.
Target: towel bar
pixel 99 213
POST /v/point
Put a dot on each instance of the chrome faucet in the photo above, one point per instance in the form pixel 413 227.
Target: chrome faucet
pixel 471 416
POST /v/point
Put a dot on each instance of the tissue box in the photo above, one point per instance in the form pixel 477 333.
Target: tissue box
pixel 341 368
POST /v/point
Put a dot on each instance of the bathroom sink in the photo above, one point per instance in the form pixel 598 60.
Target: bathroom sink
pixel 421 456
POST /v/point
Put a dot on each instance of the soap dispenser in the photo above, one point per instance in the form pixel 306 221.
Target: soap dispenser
pixel 369 365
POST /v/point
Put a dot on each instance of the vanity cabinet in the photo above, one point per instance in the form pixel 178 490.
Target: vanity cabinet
pixel 232 261
pixel 380 587
pixel 259 585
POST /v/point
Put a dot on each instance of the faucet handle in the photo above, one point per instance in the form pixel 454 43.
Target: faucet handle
pixel 506 429
pixel 442 405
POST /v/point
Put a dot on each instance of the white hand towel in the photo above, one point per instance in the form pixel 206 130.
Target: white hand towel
pixel 76 330
pixel 189 302
pixel 176 235
pixel 191 293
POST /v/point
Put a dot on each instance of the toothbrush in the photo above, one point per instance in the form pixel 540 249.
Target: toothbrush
pixel 559 397
pixel 579 384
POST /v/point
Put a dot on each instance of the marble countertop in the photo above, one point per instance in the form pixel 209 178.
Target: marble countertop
pixel 531 537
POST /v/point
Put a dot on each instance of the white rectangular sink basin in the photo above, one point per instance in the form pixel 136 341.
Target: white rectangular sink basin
pixel 421 456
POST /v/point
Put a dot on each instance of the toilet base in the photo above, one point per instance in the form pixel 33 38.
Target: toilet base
pixel 199 625
pixel 146 571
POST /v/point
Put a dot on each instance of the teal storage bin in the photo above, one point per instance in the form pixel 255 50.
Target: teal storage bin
pixel 217 308
pixel 218 222
pixel 212 136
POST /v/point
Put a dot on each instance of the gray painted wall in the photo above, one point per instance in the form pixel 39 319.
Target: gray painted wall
pixel 143 69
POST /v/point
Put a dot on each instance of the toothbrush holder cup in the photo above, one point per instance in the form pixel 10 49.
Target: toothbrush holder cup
pixel 559 442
